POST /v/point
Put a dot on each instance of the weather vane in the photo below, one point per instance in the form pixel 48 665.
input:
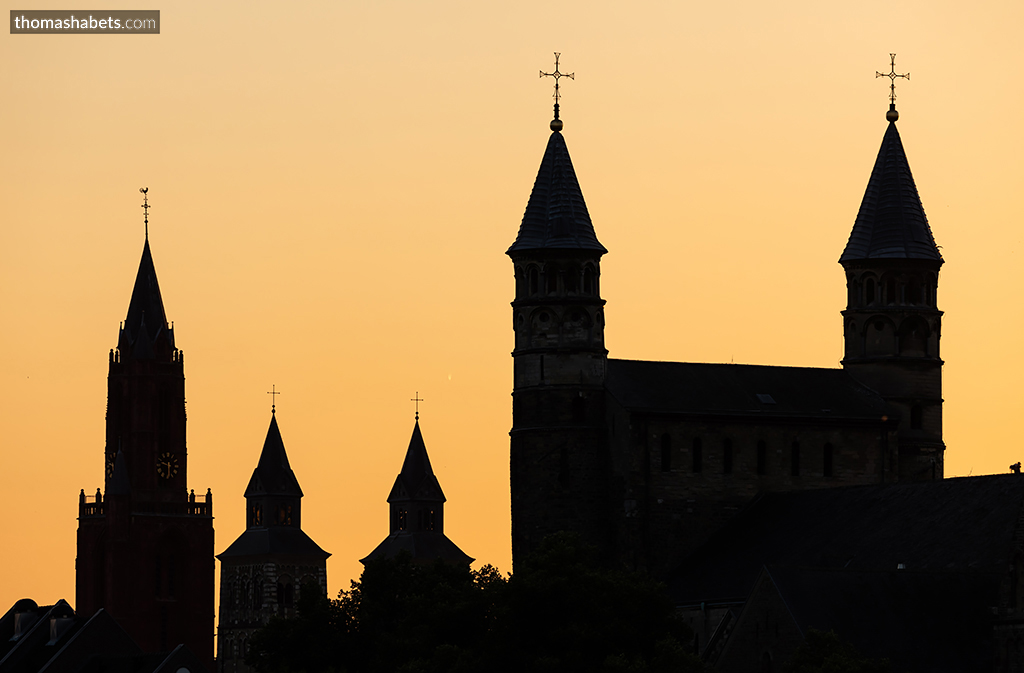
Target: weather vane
pixel 557 75
pixel 273 404
pixel 892 75
pixel 417 400
pixel 145 207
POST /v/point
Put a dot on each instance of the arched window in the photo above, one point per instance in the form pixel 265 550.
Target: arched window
pixel 551 278
pixel 698 457
pixel 666 453
pixel 914 292
pixel 890 291
pixel 915 417
pixel 289 595
pixel 869 291
pixel 826 461
pixel 520 285
pixel 572 279
pixel 794 459
pixel 762 457
pixel 534 280
pixel 588 281
pixel 401 519
pixel 727 456
pixel 257 593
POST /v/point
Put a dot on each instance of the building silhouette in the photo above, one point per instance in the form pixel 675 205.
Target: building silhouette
pixel 646 459
pixel 416 512
pixel 265 569
pixel 145 542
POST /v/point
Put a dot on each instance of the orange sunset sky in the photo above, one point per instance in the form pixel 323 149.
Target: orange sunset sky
pixel 334 184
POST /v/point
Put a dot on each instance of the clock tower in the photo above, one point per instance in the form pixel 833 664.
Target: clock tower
pixel 145 542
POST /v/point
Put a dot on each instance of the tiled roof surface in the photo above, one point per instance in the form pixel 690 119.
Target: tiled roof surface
pixel 961 524
pixel 421 545
pixel 284 540
pixel 920 621
pixel 685 387
pixel 556 216
pixel 891 222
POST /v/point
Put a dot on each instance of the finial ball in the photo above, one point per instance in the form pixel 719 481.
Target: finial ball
pixel 892 115
pixel 556 125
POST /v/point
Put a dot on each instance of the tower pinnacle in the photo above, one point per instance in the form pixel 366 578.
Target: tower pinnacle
pixel 556 123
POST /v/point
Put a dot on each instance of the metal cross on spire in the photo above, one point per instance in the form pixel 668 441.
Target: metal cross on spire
pixel 145 207
pixel 557 75
pixel 892 75
pixel 417 399
pixel 273 404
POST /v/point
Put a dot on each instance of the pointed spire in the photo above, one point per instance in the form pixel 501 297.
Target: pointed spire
pixel 146 309
pixel 891 222
pixel 556 216
pixel 273 475
pixel 417 480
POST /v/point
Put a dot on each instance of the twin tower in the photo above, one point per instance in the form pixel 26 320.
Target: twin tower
pixel 645 459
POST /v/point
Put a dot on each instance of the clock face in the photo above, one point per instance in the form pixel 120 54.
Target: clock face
pixel 110 464
pixel 167 465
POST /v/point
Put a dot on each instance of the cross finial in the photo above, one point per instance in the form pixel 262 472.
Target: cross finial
pixel 892 115
pixel 273 404
pixel 145 207
pixel 556 122
pixel 417 400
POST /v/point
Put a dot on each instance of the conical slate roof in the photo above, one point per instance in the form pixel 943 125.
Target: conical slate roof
pixel 556 216
pixel 146 308
pixel 417 480
pixel 891 222
pixel 273 475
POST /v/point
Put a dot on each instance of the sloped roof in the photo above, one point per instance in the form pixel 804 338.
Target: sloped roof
pixel 764 391
pixel 920 621
pixel 556 216
pixel 281 540
pixel 421 545
pixel 273 475
pixel 891 222
pixel 146 317
pixel 960 524
pixel 416 480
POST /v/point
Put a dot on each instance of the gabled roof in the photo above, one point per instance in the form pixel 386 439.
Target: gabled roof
pixel 279 540
pixel 556 216
pixel 960 524
pixel 273 475
pixel 741 390
pixel 416 480
pixel 146 317
pixel 891 222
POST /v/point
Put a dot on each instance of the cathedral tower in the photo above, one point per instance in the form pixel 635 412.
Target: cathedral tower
pixel 263 571
pixel 145 546
pixel 892 322
pixel 416 517
pixel 559 462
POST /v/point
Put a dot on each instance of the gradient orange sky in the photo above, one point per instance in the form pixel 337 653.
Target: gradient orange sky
pixel 334 184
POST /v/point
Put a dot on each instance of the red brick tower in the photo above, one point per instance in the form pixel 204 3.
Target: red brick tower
pixel 145 546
